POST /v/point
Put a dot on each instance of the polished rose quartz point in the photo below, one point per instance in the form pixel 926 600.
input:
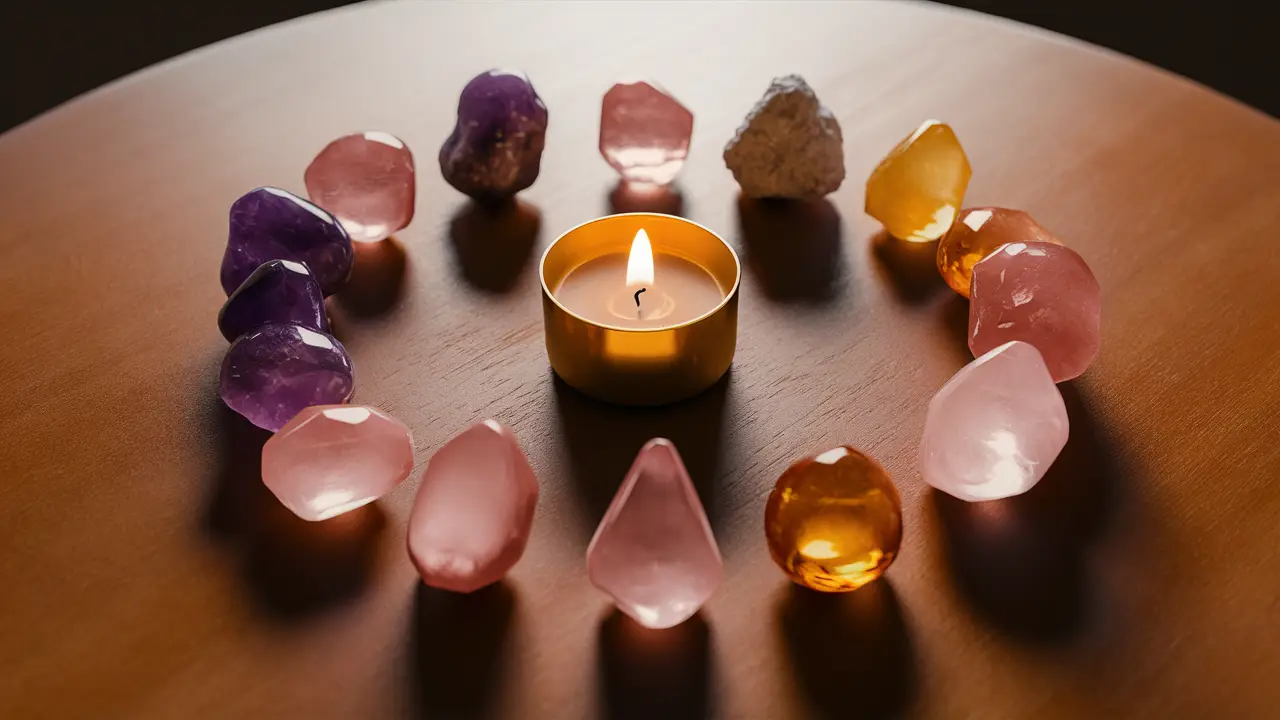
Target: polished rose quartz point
pixel 653 552
pixel 977 233
pixel 474 510
pixel 330 459
pixel 993 430
pixel 366 180
pixel 644 133
pixel 1042 294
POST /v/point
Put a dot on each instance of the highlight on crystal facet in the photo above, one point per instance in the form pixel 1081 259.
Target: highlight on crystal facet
pixel 977 233
pixel 917 189
pixel 654 552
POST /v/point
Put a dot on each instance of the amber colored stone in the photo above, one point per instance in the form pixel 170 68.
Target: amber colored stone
pixel 916 190
pixel 977 233
pixel 834 521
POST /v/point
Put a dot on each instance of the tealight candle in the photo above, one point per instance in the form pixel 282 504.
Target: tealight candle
pixel 640 308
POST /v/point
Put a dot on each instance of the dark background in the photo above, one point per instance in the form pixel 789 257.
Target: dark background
pixel 54 50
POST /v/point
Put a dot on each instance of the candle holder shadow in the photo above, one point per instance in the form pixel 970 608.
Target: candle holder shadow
pixel 792 247
pixel 647 674
pixel 493 242
pixel 457 648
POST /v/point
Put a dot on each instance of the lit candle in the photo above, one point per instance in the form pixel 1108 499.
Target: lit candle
pixel 640 289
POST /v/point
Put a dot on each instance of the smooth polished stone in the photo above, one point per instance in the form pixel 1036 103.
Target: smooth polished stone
pixel 366 180
pixel 279 291
pixel 474 509
pixel 273 373
pixel 273 224
pixel 1042 294
pixel 495 149
pixel 834 520
pixel 917 189
pixel 653 552
pixel 330 459
pixel 996 426
pixel 977 233
pixel 644 133
pixel 789 145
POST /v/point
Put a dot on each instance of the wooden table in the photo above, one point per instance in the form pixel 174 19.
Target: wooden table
pixel 146 573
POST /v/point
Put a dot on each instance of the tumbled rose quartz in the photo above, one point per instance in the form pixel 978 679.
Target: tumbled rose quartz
pixel 653 552
pixel 644 133
pixel 1039 293
pixel 367 181
pixel 273 224
pixel 330 459
pixel 996 426
pixel 977 233
pixel 474 509
pixel 273 373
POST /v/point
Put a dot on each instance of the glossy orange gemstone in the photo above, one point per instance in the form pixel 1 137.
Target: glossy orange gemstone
pixel 916 190
pixel 977 233
pixel 834 521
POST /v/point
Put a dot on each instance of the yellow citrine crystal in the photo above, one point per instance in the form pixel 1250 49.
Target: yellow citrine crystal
pixel 916 190
pixel 834 521
pixel 977 233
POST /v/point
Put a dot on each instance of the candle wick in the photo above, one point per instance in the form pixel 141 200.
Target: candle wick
pixel 638 296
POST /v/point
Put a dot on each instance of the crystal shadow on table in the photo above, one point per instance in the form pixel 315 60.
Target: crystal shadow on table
pixel 911 267
pixel 493 241
pixel 458 644
pixel 646 674
pixel 627 197
pixel 1021 562
pixel 603 439
pixel 376 285
pixel 792 247
pixel 292 567
pixel 852 653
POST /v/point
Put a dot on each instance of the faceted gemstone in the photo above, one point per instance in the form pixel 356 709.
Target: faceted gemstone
pixel 834 521
pixel 495 149
pixel 330 459
pixel 916 190
pixel 1039 293
pixel 789 145
pixel 366 180
pixel 275 372
pixel 279 291
pixel 976 234
pixel 644 133
pixel 653 552
pixel 273 224
pixel 474 509
pixel 993 430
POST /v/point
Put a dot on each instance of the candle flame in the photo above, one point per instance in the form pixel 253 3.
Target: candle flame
pixel 640 263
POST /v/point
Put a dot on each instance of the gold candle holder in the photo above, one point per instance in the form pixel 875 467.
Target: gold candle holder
pixel 645 366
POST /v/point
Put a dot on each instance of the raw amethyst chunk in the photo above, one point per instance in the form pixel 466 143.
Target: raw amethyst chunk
pixel 273 224
pixel 496 146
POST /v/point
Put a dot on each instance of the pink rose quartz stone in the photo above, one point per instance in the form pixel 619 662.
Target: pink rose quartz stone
pixel 654 553
pixel 1040 293
pixel 993 430
pixel 644 133
pixel 330 459
pixel 474 509
pixel 366 180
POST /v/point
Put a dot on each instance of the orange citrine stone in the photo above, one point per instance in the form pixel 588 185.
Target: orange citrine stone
pixel 916 190
pixel 977 233
pixel 834 521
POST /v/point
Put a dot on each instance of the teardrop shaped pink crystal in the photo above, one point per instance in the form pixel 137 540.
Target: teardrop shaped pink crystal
pixel 654 552
pixel 474 509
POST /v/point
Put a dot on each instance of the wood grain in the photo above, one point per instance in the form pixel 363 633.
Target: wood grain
pixel 145 572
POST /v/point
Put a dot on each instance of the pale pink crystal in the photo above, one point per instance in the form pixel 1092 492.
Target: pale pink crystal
pixel 654 552
pixel 1040 293
pixel 333 458
pixel 644 133
pixel 474 509
pixel 993 430
pixel 366 180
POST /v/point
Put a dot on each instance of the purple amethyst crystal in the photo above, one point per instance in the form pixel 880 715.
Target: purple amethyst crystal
pixel 273 224
pixel 496 146
pixel 279 291
pixel 273 373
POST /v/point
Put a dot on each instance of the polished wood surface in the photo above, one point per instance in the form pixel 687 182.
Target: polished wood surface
pixel 146 573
